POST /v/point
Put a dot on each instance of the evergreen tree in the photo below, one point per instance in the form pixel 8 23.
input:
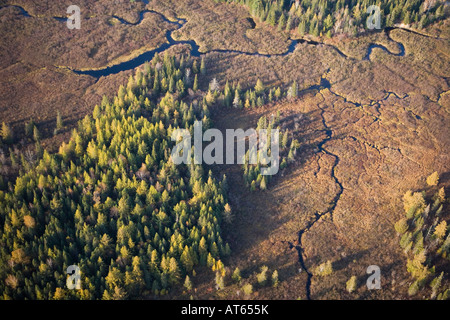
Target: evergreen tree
pixel 188 283
pixel 29 127
pixel 203 67
pixel 259 87
pixel 351 284
pixel 282 22
pixel 195 85
pixel 59 121
pixel 237 103
pixel 275 278
pixel 289 24
pixel 6 133
pixel 236 275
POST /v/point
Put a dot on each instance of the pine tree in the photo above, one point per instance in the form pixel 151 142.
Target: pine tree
pixel 302 27
pixel 441 230
pixel 435 284
pixel 328 23
pixel 188 283
pixel 96 112
pixel 220 283
pixel 195 67
pixel 172 85
pixel 275 278
pixel 174 272
pixel 29 127
pixel 278 93
pixel 259 87
pixel 59 121
pixel 262 276
pixel 289 24
pixel 272 17
pixel 281 22
pixel 237 100
pixel 294 89
pixel 6 133
pixel 203 67
pixel 214 85
pixel 351 284
pixel 401 226
pixel 195 86
pixel 433 179
pixel 156 84
pixel 236 275
pixel 247 289
pixel 187 260
pixel 227 95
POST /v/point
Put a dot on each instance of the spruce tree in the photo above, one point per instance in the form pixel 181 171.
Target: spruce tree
pixel 281 22
pixel 6 133
pixel 195 86
pixel 188 283
pixel 259 87
pixel 236 275
pixel 203 67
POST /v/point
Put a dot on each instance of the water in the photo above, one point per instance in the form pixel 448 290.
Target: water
pixel 194 51
pixel 148 55
pixel 22 10
pixel 401 47
pixel 369 51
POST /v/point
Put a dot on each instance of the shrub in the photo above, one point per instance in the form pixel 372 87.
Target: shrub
pixel 324 269
pixel 248 289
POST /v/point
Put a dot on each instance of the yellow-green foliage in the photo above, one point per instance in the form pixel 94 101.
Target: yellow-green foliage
pixel 248 289
pixel 433 179
pixel 401 226
pixel 325 269
pixel 424 239
pixel 262 276
pixel 414 201
pixel 351 284
pixel 441 230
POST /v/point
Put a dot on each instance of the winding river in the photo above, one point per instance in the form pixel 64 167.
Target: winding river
pixel 194 51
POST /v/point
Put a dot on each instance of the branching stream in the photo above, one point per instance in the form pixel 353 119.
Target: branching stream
pixel 194 51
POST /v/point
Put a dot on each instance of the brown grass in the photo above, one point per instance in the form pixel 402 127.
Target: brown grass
pixel 396 137
pixel 221 26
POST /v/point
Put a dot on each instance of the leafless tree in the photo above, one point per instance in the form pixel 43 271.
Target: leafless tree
pixel 214 85
pixel 30 157
pixel 188 76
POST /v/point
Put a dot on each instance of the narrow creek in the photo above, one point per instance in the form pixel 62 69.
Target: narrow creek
pixel 194 51
pixel 324 84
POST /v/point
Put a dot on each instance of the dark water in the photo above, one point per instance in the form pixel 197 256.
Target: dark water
pixel 369 51
pixel 401 47
pixel 22 10
pixel 148 55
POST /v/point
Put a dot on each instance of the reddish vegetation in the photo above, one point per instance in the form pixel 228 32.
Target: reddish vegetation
pixel 382 126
